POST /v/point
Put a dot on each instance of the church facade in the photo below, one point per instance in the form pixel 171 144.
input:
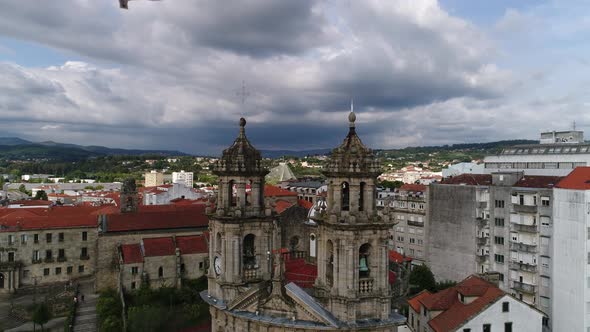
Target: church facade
pixel 247 288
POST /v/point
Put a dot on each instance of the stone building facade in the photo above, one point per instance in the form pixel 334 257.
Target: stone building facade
pixel 247 287
pixel 44 246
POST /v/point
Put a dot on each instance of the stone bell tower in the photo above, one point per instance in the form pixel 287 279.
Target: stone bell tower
pixel 240 227
pixel 352 243
pixel 129 200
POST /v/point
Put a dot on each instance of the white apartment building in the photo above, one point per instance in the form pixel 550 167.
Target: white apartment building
pixel 410 206
pixel 571 248
pixel 183 177
pixel 153 179
pixel 557 154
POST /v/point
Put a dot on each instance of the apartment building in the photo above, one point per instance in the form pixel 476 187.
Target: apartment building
pixel 410 206
pixel 506 219
pixel 571 249
pixel 183 177
pixel 153 179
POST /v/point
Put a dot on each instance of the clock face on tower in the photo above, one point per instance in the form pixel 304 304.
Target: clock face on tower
pixel 217 265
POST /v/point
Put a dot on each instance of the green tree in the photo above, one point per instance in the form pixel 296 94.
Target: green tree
pixel 421 278
pixel 41 195
pixel 391 184
pixel 22 189
pixel 440 285
pixel 41 315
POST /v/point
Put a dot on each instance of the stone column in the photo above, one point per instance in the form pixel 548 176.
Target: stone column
pixel 337 197
pixel 330 198
pixel 369 198
pixel 354 194
pixel 241 191
pixel 255 194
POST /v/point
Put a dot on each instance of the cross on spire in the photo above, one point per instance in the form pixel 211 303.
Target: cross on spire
pixel 243 93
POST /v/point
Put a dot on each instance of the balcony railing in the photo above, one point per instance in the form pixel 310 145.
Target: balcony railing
pixel 49 260
pixel 84 257
pixel 523 287
pixel 250 274
pixel 481 257
pixel 523 267
pixel 525 228
pixel 61 259
pixel 526 247
pixel 483 241
pixel 524 208
pixel 366 286
pixel 415 223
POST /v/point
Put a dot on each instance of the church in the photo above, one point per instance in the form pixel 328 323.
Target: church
pixel 247 285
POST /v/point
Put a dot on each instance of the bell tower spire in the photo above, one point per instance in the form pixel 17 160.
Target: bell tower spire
pixel 352 251
pixel 241 228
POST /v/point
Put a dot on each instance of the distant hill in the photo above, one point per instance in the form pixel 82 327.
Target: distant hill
pixel 14 148
pixel 293 153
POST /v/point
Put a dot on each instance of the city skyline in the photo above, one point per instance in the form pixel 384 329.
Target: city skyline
pixel 420 72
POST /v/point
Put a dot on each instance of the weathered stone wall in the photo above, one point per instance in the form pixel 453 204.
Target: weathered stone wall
pixel 107 260
pixel 52 270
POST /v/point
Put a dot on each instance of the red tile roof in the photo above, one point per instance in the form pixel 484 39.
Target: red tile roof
pixel 299 272
pixel 54 217
pixel 131 253
pixel 454 312
pixel 396 257
pixel 274 191
pixel 31 202
pixel 158 246
pixel 414 302
pixel 282 205
pixel 192 244
pixel 578 179
pixel 470 179
pixel 151 217
pixel 413 187
pixel 537 181
pixel 306 204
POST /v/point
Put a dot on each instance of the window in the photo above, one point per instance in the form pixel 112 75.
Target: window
pixel 48 237
pixel 499 258
pixel 466 330
pixel 60 237
pixel 501 276
pixel 81 269
pixel 412 240
pixel 499 240
pixel 499 222
pixel 133 285
pixel 420 242
pixel 134 270
pixel 61 253
pixel 36 238
pixel 505 306
pixel 11 257
pixel 507 327
pixel 48 255
pixel 58 270
pixel 83 252
pixel 23 239
pixel 11 239
pixel 36 256
pixel 200 265
pixel 46 272
pixel 182 268
pixel 84 236
pixel 69 270
pixel 160 272
pixel 487 327
pixel 545 201
pixel 499 204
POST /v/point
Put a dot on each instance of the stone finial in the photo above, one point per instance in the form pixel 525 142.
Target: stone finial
pixel 351 115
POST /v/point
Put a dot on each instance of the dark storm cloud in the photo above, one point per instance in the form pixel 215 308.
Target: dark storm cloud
pixel 174 68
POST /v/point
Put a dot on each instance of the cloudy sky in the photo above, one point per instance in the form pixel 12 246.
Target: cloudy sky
pixel 168 74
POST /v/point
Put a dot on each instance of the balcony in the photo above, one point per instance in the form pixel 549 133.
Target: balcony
pixel 481 258
pixel 524 208
pixel 523 267
pixel 365 286
pixel 49 260
pixel 10 265
pixel 251 274
pixel 523 287
pixel 526 247
pixel 482 205
pixel 415 223
pixel 525 228
pixel 61 259
pixel 483 241
pixel 84 257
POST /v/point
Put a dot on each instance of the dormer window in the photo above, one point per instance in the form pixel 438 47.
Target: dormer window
pixel 462 298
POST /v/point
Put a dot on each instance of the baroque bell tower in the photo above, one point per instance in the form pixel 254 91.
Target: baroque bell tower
pixel 241 228
pixel 352 243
